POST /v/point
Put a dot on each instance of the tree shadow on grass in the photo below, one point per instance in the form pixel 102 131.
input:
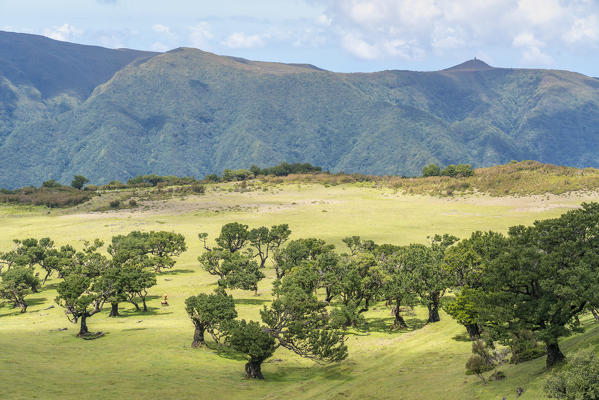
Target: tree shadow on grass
pixel 93 335
pixel 385 325
pixel 134 313
pixel 253 302
pixel 134 329
pixel 175 272
pixel 462 337
pixel 12 312
pixel 49 286
pixel 36 302
pixel 225 351
pixel 287 373
pixel 17 311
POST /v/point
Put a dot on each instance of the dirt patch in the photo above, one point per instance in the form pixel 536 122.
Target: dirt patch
pixel 176 206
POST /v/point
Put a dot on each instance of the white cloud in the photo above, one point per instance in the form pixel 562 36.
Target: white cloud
pixel 368 12
pixel 447 38
pixel 158 46
pixel 239 40
pixel 159 28
pixel 540 11
pixel 535 57
pixel 402 49
pixel 64 32
pixel 527 39
pixel 359 47
pixel 583 29
pixel 531 49
pixel 324 20
pixel 113 40
pixel 418 11
pixel 200 35
pixel 413 28
pixel 309 37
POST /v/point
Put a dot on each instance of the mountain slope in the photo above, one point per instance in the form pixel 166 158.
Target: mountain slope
pixel 188 112
pixel 41 78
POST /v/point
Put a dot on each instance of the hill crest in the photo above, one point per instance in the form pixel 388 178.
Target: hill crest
pixel 191 113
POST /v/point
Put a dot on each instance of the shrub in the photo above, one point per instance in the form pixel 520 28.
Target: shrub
pixel 115 204
pixel 51 184
pixel 197 188
pixel 577 380
pixel 132 203
pixel 524 347
pixel 431 170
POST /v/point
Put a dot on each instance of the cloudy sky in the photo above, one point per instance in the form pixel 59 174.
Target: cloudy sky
pixel 339 35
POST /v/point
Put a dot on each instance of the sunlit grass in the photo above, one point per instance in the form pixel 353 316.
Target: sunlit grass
pixel 149 355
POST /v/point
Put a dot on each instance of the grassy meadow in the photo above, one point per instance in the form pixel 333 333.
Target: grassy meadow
pixel 148 355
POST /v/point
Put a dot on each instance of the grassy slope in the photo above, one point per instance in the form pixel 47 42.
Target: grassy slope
pixel 513 179
pixel 148 355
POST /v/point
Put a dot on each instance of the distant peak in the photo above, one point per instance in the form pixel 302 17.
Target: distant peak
pixel 471 65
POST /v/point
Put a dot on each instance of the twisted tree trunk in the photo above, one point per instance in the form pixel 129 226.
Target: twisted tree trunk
pixel 399 321
pixel 554 354
pixel 433 312
pixel 83 328
pixel 198 335
pixel 253 370
pixel 473 331
pixel 114 310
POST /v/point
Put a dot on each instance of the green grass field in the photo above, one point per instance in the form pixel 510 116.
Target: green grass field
pixel 148 355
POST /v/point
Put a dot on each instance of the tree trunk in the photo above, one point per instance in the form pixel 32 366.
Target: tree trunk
pixel 253 370
pixel 23 306
pixel 473 331
pixel 143 300
pixel 158 269
pixel 135 304
pixel 198 336
pixel 46 277
pixel 329 295
pixel 114 310
pixel 83 329
pixel 595 314
pixel 433 312
pixel 399 321
pixel 554 354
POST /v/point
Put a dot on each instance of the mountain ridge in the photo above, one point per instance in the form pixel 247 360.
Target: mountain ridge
pixel 190 112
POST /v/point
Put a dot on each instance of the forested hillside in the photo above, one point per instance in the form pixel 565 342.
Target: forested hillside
pixel 68 109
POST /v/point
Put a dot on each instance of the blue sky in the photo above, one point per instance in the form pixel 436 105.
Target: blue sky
pixel 339 35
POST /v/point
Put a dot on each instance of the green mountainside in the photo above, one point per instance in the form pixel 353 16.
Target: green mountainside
pixel 68 109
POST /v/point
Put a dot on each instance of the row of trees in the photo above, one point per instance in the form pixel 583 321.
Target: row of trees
pixel 460 170
pixel 536 280
pixel 528 286
pixel 282 169
pixel 317 292
pixel 90 278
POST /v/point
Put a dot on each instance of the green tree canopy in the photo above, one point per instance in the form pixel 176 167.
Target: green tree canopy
pixel 212 313
pixel 82 292
pixel 431 170
pixel 253 340
pixel 79 181
pixel 16 284
pixel 544 277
